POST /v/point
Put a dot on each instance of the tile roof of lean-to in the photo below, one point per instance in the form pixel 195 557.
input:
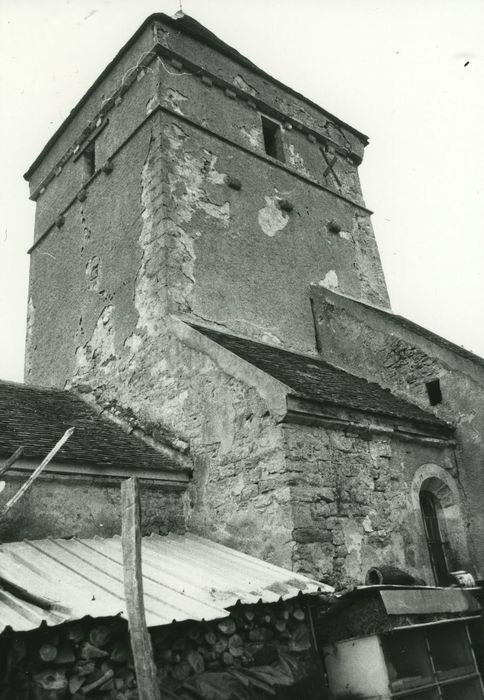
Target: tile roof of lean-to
pixel 311 378
pixel 37 417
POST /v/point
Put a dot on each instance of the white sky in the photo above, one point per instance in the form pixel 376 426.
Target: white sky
pixel 395 69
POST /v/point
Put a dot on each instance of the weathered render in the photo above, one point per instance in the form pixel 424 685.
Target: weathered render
pixel 184 209
pixel 159 221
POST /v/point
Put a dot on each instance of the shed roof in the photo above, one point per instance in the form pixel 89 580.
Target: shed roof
pixel 36 418
pixel 314 379
pixel 185 577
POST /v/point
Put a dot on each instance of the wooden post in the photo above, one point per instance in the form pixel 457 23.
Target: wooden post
pixel 144 663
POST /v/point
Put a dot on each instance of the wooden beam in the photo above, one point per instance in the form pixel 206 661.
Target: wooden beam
pixel 37 472
pixel 11 460
pixel 144 663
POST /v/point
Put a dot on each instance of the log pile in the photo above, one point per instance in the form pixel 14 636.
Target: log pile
pixel 79 660
pixel 249 637
pixel 91 659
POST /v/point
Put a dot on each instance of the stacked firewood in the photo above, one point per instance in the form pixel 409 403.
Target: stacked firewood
pixel 243 639
pixel 92 658
pixel 86 659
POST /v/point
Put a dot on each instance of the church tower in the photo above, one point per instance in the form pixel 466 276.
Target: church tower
pixel 188 181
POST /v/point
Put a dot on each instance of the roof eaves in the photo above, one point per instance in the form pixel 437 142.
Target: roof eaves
pixel 212 40
pixel 430 424
pixel 217 43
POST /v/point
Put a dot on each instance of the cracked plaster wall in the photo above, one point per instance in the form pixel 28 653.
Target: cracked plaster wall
pixel 381 348
pixel 257 85
pixel 82 276
pixel 352 505
pixel 234 119
pixel 229 256
pixel 122 121
pixel 243 259
pixel 100 289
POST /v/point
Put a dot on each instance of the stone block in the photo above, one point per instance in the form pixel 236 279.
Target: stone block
pixel 311 534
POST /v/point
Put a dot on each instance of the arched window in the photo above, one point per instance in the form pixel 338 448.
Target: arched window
pixel 431 510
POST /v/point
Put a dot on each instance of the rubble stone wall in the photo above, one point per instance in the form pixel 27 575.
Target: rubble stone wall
pixel 230 426
pixel 403 358
pixel 354 506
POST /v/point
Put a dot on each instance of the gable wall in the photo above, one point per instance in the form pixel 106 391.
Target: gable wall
pixel 383 349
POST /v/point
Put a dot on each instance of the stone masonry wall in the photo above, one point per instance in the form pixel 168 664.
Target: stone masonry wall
pixel 164 230
pixel 352 506
pixel 235 442
pixel 402 357
pixel 99 318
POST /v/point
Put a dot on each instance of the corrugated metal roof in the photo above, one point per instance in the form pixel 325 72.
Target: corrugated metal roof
pixel 185 577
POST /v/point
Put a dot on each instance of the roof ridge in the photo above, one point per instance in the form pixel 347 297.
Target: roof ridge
pixel 35 387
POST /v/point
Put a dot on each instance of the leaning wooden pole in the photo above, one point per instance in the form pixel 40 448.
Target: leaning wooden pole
pixel 37 472
pixel 11 460
pixel 144 663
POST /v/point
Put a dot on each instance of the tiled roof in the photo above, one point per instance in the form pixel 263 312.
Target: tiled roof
pixel 316 380
pixel 185 577
pixel 36 418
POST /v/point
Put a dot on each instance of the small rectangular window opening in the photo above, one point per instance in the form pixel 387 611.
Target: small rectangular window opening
pixel 89 160
pixel 271 132
pixel 434 392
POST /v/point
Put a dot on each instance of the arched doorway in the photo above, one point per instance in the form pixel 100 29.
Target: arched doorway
pixel 443 538
pixel 432 514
